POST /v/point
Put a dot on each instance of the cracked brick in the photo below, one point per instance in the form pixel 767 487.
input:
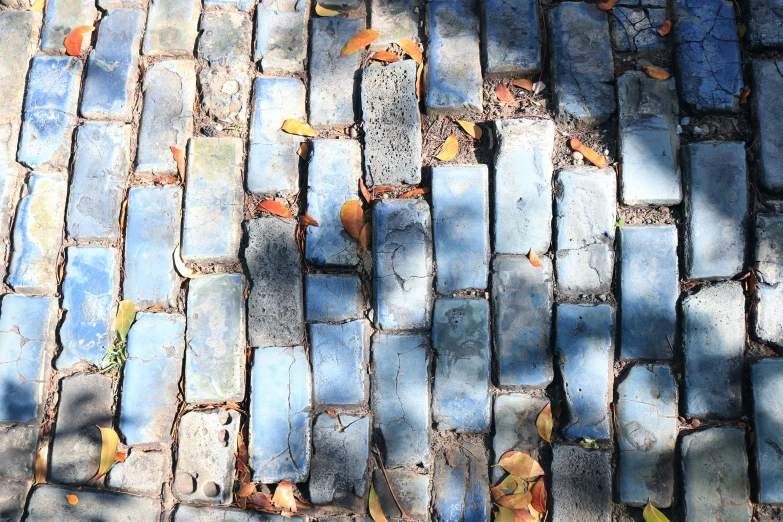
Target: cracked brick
pixel 765 23
pixel 411 489
pixel 515 416
pixel 50 503
pixel 333 79
pixel 62 16
pixel 340 355
pixel 768 112
pixel 460 484
pixel 636 29
pixel 767 382
pixel 510 42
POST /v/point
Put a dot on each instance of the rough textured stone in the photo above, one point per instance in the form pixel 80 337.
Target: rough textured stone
pixel 766 320
pixel 392 126
pixel 585 221
pixel 460 484
pixel 113 67
pixel 638 93
pixel 152 234
pixel 765 23
pixel 340 355
pixel 275 315
pixel 515 418
pixel 338 473
pixel 333 79
pixel 17 451
pixel 50 112
pixel 453 73
pixel 402 256
pixel 272 164
pixel 242 5
pixel 225 37
pixel 20 35
pixel 401 397
pixel 203 457
pixel 89 292
pixel 167 118
pixel 523 185
pixel 395 20
pixel 411 490
pixel 768 258
pixel 50 503
pixel 342 4
pixel 716 210
pixel 713 340
pixel 333 297
pixel 522 317
pixel 172 27
pixel 585 352
pixel 581 485
pixel 142 472
pixel 715 475
pixel 13 498
pixel 582 67
pixel 10 180
pixel 156 346
pixel 649 289
pixel 27 338
pixel 636 29
pixel 281 40
pixel 767 379
pixel 460 222
pixel 100 171
pixel 37 235
pixel 460 392
pixel 85 402
pixel 333 179
pixel 280 405
pixel 186 513
pixel 215 359
pixel 63 16
pixel 510 40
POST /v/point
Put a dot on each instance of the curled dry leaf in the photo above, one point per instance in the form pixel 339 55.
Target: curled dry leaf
pixel 539 496
pixel 521 464
pixel 744 93
pixel 298 127
pixel 307 221
pixel 605 6
pixel 651 514
pixel 380 189
pixel 179 157
pixel 471 128
pixel 73 42
pixel 414 192
pixel 449 149
pixel 589 154
pixel 665 28
pixel 364 238
pixel 324 12
pixel 72 499
pixel 533 258
pixel 246 489
pixel 363 189
pixel 520 515
pixel 304 150
pixel 37 6
pixel 544 423
pixel 523 83
pixel 359 41
pixel 503 94
pixel 385 56
pixel 274 207
pixel 40 466
pixel 180 266
pixel 261 502
pixel 284 496
pixel 656 72
pixel 126 314
pixel 411 49
pixel 109 442
pixel 375 507
pixel 516 501
pixel 352 217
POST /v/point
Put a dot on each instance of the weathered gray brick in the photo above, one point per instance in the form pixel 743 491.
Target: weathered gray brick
pixel 13 498
pixel 766 321
pixel 20 34
pixel 510 40
pixel 395 20
pixel 187 513
pixel 515 418
pixel 18 443
pixel 10 181
pixel 636 29
pixel 172 27
pixel 411 489
pixel 281 40
pixel 225 37
pixel 765 24
pixel 768 253
pixel 581 485
pixel 767 380
pixel 340 355
pixel 332 79
pixel 333 297
pixel 142 472
pixel 62 16
pixel 50 503
pixel 460 484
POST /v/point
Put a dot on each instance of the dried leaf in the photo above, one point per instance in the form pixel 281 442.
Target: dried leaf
pixel 588 443
pixel 37 6
pixel 503 94
pixel 605 6
pixel 505 487
pixel 589 154
pixel 522 83
pixel 40 466
pixel 520 515
pixel 72 499
pixel 359 41
pixel 363 189
pixel 538 502
pixel 298 127
pixel 275 208
pixel 179 157
pixel 418 82
pixel 284 496
pixel 380 189
pixel 126 313
pixel 521 464
pixel 168 180
pixel 504 515
pixel 520 501
pixel 307 221
pixel 414 192
pixel 651 514
pixel 741 29
pixel 352 216
pixel 656 72
pixel 411 49
pixel 261 502
pixel 73 42
pixel 364 238
pixel 375 507
pixel 322 11
pixel 304 150
pixel 123 214
pixel 246 489
pixel 665 28
pixel 385 56
pixel 544 422
pixel 449 149
pixel 471 128
pixel 109 442
pixel 744 93
pixel 181 268
pixel 533 258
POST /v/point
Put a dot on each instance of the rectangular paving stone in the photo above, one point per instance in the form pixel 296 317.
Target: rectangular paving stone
pixel 392 126
pixel 50 112
pixel 13 498
pixel 280 415
pixel 395 20
pixel 340 355
pixel 585 210
pixel 716 210
pixel 152 235
pixel 27 344
pixel 63 16
pixel 649 289
pixel 522 297
pixel 332 78
pixel 581 485
pixel 411 490
pixel 225 38
pixel 167 118
pixel 156 346
pixel 707 53
pixel 636 29
pixel 89 291
pixel 767 380
pixel 765 320
pixel 402 256
pixel 20 31
pixel 515 416
pixel 713 344
pixel 584 347
pixel 215 358
pixel 768 251
pixel 510 39
pixel 50 503
pixel 523 186
pixel 142 472
pixel 18 443
pixel 715 475
pixel 461 396
pixel 113 67
pixel 37 234
pixel 275 315
pixel 333 298
pixel 338 471
pixel 646 433
pixel 460 485
pixel 453 82
pixel 333 179
pixel 172 27
pixel 582 66
pixel 85 402
pixel 281 40
pixel 99 175
pixel 765 24
pixel 401 397
pixel 272 164
pixel 187 513
pixel 767 86
pixel 460 222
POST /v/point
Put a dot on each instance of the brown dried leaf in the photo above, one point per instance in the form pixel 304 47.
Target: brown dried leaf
pixel 359 41
pixel 471 128
pixel 324 12
pixel 375 507
pixel 523 83
pixel 307 221
pixel 544 422
pixel 516 501
pixel 246 489
pixel 505 487
pixel 521 464
pixel 504 95
pixel 364 238
pixel 414 192
pixel 298 127
pixel 352 216
pixel 412 50
pixel 273 207
pixel 363 189
pixel 40 466
pixel 72 499
pixel 665 28
pixel 504 515
pixel 304 150
pixel 533 258
pixel 179 157
pixel 589 154
pixel 520 515
pixel 744 93
pixel 261 502
pixel 656 72
pixel 449 149
pixel 605 6
pixel 538 502
pixel 385 56
pixel 73 42
pixel 284 496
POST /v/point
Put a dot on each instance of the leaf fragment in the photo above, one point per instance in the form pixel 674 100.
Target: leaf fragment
pixel 651 514
pixel 589 154
pixel 656 72
pixel 449 149
pixel 412 50
pixel 40 466
pixel 359 41
pixel 504 95
pixel 385 56
pixel 352 217
pixel 538 88
pixel 415 192
pixel 375 507
pixel 324 12
pixel 72 499
pixel 539 496
pixel 520 515
pixel 364 238
pixel 544 423
pixel 744 93
pixel 504 515
pixel 109 442
pixel 741 29
pixel 179 157
pixel 307 221
pixel 380 189
pixel 419 82
pixel 275 208
pixel 665 28
pixel 505 487
pixel 284 496
pixel 533 258
pixel 516 501
pixel 523 83
pixel 521 464
pixel 471 128
pixel 304 150
pixel 180 266
pixel 605 6
pixel 298 127
pixel 363 189
pixel 73 42
pixel 246 489
pixel 37 6
pixel 126 313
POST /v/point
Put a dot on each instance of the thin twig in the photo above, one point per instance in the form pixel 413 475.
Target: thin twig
pixel 670 343
pixel 383 468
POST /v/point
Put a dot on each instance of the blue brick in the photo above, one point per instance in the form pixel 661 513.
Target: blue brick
pixel 280 405
pixel 522 313
pixel 460 222
pixel 767 86
pixel 50 112
pixel 333 297
pixel 225 38
pixel 766 321
pixel 62 16
pixel 187 513
pixel 333 179
pixel 395 20
pixel 20 31
pixel 242 5
pixel 460 485
pixel 401 398
pixel 767 379
pixel 332 77
pixel 410 488
pixel 172 27
pixel 156 346
pixel 113 67
pixel 460 338
pixel 402 256
pixel 340 355
pixel 515 417
pixel 765 25
pixel 281 40
pixel 51 503
pixel 649 289
pixel 768 251
pixel 585 352
pixel 89 293
pixel 510 41
pixel 27 340
pixel 637 29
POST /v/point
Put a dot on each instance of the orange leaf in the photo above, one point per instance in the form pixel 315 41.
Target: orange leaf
pixel 380 189
pixel 523 84
pixel 304 150
pixel 40 465
pixel 73 42
pixel 284 496
pixel 352 216
pixel 273 207
pixel 744 93
pixel 72 499
pixel 386 56
pixel 414 192
pixel 364 238
pixel 120 456
pixel 179 157
pixel 521 464
pixel 544 423
pixel 471 128
pixel 656 72
pixel 307 221
pixel 359 41
pixel 539 496
pixel 503 94
pixel 665 28
pixel 534 260
pixel 246 489
pixel 363 189
pixel 520 515
pixel 411 49
pixel 505 487
pixel 449 150
pixel 298 127
pixel 605 6
pixel 589 154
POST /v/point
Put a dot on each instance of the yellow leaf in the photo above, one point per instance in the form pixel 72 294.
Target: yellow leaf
pixel 419 82
pixel 72 499
pixel 179 157
pixel 741 28
pixel 651 514
pixel 517 501
pixel 181 268
pixel 359 41
pixel 385 56
pixel 299 128
pixel 521 464
pixel 38 5
pixel 411 49
pixel 375 507
pixel 322 11
pixel 505 487
pixel 471 128
pixel 126 313
pixel 504 515
pixel 109 442
pixel 352 217
pixel 40 465
pixel 656 72
pixel 544 422
pixel 449 150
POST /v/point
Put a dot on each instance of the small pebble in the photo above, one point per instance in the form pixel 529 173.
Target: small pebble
pixel 579 162
pixel 211 489
pixel 695 423
pixel 223 437
pixel 184 483
pixel 224 417
pixel 353 132
pixel 577 155
pixel 602 298
pixel 705 129
pixel 685 120
pixel 697 130
pixel 678 130
pixel 606 152
pixel 649 221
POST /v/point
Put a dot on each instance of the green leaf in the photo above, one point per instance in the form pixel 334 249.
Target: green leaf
pixel 651 514
pixel 619 223
pixel 504 515
pixel 126 313
pixel 589 443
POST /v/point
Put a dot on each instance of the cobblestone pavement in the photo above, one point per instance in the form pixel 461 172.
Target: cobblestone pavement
pixel 653 323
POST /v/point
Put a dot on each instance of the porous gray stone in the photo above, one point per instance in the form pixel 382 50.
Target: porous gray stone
pixel 281 40
pixel 172 27
pixel 510 39
pixel 63 16
pixel 460 485
pixel 767 381
pixel 411 490
pixel 581 485
pixel 515 416
pixel 142 472
pixel 636 29
pixel 18 443
pixel 20 34
pixel 395 20
pixel 50 503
